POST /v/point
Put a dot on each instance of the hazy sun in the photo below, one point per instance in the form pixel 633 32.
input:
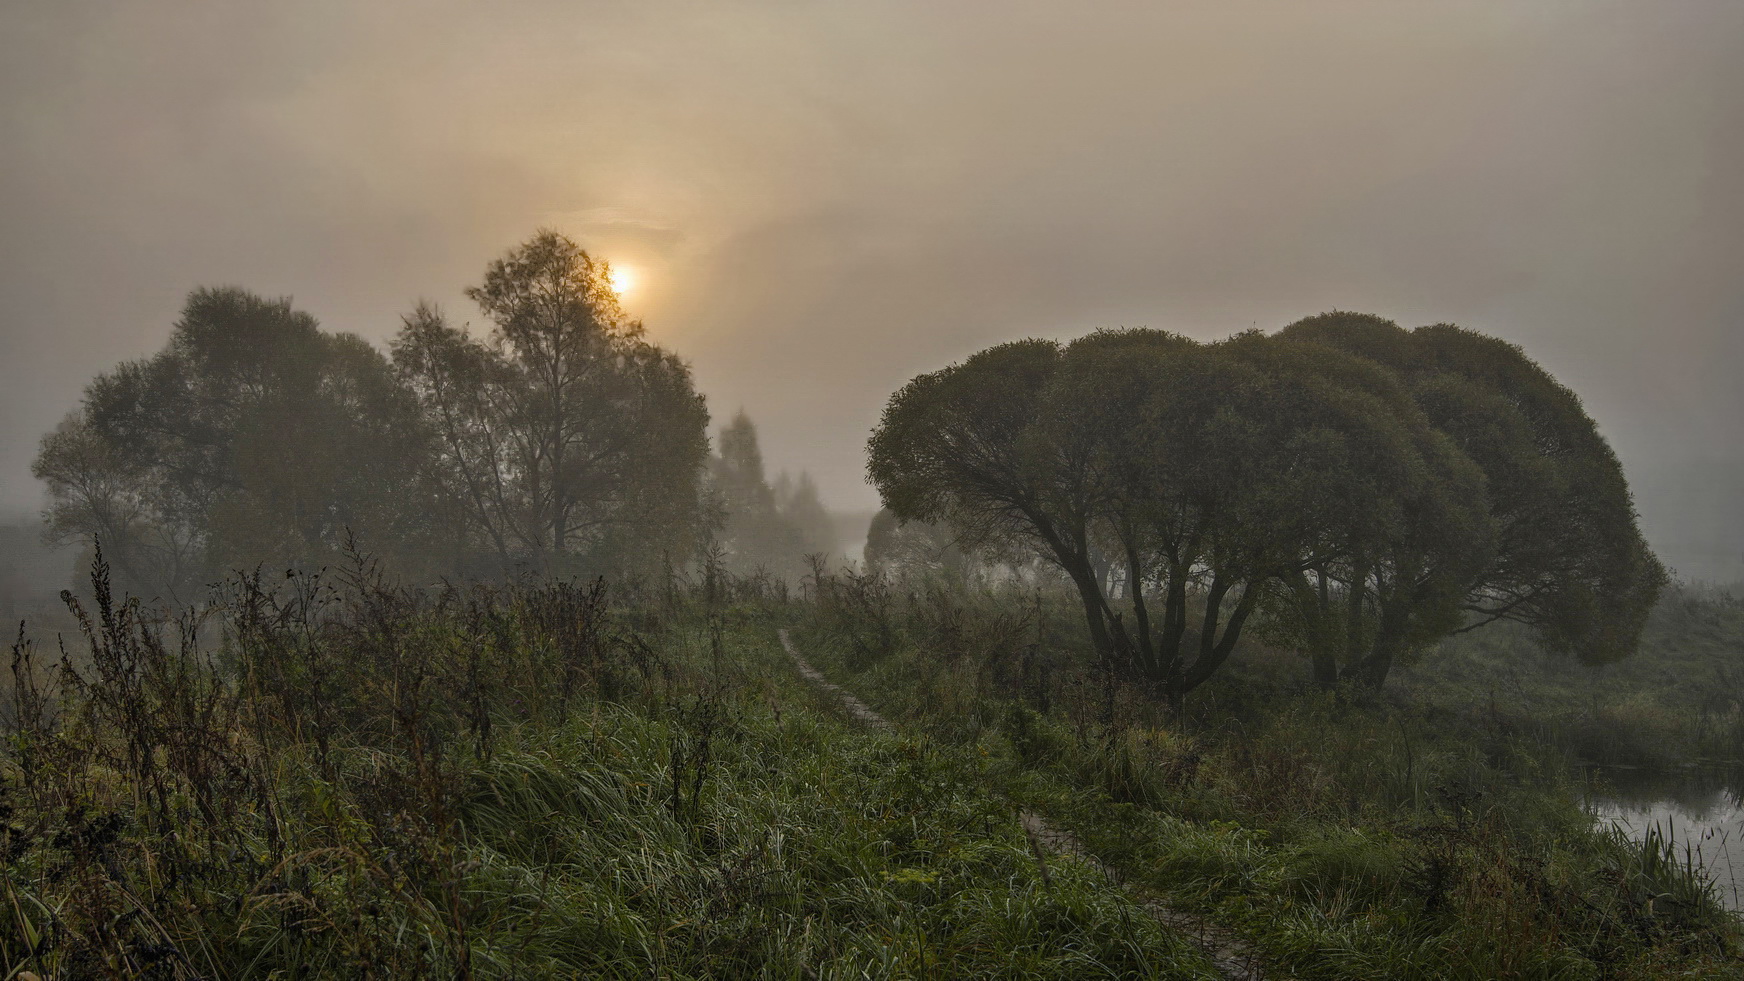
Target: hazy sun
pixel 623 279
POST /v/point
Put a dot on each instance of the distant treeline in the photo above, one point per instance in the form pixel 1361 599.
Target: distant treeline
pixel 563 441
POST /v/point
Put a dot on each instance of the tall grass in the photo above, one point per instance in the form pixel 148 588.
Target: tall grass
pixel 334 776
pixel 1400 838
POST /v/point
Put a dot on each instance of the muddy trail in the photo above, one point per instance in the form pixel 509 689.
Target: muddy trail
pixel 1233 957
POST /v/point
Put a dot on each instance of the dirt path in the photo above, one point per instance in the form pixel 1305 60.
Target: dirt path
pixel 1233 957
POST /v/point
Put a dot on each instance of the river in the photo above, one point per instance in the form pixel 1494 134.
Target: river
pixel 1701 808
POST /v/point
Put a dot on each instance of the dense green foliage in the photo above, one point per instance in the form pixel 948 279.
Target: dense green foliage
pixel 1568 558
pixel 1364 504
pixel 1679 704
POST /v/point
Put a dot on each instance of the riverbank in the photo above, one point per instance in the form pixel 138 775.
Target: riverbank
pixel 1400 839
pixel 1697 811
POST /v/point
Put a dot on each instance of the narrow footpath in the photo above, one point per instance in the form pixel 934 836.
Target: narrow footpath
pixel 1233 957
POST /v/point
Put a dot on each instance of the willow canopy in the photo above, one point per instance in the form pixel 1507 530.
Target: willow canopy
pixel 1363 489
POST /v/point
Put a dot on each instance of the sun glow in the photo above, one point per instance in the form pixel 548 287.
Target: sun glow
pixel 623 279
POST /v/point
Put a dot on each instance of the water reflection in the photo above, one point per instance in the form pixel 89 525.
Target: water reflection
pixel 1701 808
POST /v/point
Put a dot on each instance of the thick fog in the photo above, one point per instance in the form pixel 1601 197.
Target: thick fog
pixel 822 199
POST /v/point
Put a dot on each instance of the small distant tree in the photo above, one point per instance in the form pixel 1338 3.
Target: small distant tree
pixel 738 467
pixel 154 539
pixel 919 548
pixel 798 503
pixel 765 526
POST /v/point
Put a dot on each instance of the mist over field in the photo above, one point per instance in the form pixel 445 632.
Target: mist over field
pixel 1194 490
pixel 822 199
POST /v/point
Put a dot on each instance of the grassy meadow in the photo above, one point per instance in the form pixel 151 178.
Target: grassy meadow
pixel 1434 832
pixel 344 779
pixel 334 776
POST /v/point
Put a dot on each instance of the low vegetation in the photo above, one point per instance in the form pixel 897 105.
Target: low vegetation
pixel 333 777
pixel 1680 703
pixel 1432 833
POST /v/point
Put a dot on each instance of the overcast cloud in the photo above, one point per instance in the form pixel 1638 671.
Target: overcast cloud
pixel 823 199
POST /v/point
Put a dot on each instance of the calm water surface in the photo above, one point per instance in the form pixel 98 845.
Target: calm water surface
pixel 1703 808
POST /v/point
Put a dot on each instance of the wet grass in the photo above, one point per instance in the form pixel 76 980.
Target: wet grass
pixel 340 778
pixel 330 776
pixel 1399 839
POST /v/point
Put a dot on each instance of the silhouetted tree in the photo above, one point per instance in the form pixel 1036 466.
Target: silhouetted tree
pixel 253 436
pixel 566 436
pixel 798 504
pixel 1387 516
pixel 155 540
pixel 1569 559
pixel 1355 501
pixel 737 470
pixel 765 527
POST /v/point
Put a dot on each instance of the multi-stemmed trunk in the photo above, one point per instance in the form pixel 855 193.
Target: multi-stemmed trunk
pixel 1156 655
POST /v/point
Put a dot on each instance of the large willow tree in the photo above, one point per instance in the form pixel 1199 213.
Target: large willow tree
pixel 1184 488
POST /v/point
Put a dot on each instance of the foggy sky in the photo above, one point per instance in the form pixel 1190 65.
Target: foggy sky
pixel 824 199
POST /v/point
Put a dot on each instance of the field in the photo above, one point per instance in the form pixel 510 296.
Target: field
pixel 331 776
